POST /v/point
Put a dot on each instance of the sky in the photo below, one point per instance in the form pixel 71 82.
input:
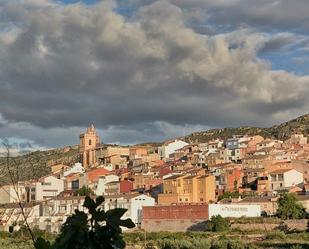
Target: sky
pixel 146 70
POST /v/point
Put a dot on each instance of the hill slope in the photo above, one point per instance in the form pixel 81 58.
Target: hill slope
pixel 36 164
pixel 282 131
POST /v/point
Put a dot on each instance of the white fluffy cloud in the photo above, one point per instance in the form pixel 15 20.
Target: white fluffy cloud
pixel 65 66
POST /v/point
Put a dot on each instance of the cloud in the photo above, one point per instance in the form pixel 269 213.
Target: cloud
pixel 263 14
pixel 63 67
pixel 278 42
pixel 301 59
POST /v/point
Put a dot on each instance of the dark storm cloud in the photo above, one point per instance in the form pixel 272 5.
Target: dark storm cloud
pixel 65 66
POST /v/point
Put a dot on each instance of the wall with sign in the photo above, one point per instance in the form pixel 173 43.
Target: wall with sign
pixel 232 210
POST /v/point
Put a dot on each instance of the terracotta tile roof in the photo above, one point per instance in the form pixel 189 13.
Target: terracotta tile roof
pixel 173 177
pixel 94 174
pixel 280 171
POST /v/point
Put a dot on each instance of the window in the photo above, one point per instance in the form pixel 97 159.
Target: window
pixel 273 178
pixel 201 199
pixel 90 141
pixel 280 177
pixel 281 185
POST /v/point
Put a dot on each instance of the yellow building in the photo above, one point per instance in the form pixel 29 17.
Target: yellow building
pixel 188 189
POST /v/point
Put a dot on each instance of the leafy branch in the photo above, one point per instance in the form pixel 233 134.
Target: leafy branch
pixel 95 229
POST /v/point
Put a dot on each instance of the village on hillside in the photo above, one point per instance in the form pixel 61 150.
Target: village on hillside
pixel 173 186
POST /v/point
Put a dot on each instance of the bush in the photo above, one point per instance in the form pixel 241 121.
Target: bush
pixel 217 224
pixel 296 247
pixel 219 244
pixel 184 244
pixel 290 208
pixel 276 235
pixel 227 195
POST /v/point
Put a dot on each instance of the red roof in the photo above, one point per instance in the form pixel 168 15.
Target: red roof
pixel 94 174
pixel 165 171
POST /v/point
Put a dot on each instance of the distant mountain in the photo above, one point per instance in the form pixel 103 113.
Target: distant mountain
pixel 37 164
pixel 282 131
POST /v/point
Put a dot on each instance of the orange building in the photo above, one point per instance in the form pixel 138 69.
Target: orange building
pixel 87 144
pixel 233 179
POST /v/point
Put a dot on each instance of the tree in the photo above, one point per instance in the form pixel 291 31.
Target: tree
pixel 290 208
pixel 217 224
pixel 228 195
pixel 95 229
pixel 85 191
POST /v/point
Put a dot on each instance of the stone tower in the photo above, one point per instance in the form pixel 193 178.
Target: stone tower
pixel 87 144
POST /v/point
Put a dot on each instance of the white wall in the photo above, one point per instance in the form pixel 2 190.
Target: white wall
pixel 103 180
pixel 170 148
pixel 7 194
pixel 292 177
pixel 232 210
pixel 77 168
pixel 49 187
pixel 137 204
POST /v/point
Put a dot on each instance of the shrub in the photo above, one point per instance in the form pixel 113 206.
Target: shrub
pixel 235 245
pixel 276 235
pixel 289 208
pixel 189 243
pixel 296 247
pixel 202 244
pixel 217 224
pixel 219 244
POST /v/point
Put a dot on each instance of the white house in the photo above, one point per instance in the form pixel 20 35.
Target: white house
pixel 11 213
pixel 103 180
pixel 76 168
pixel 169 148
pixel 133 202
pixel 47 215
pixel 284 178
pixel 47 187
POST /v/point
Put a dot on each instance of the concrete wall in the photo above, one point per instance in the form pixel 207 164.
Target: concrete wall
pixel 292 177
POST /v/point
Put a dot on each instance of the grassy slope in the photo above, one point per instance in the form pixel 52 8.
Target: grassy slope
pixel 36 164
pixel 282 131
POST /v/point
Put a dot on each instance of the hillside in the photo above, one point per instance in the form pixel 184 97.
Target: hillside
pixel 36 164
pixel 282 131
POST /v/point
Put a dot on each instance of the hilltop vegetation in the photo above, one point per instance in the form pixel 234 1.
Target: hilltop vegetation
pixel 282 131
pixel 37 164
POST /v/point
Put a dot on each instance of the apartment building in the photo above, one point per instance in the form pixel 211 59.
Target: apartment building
pixel 187 189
